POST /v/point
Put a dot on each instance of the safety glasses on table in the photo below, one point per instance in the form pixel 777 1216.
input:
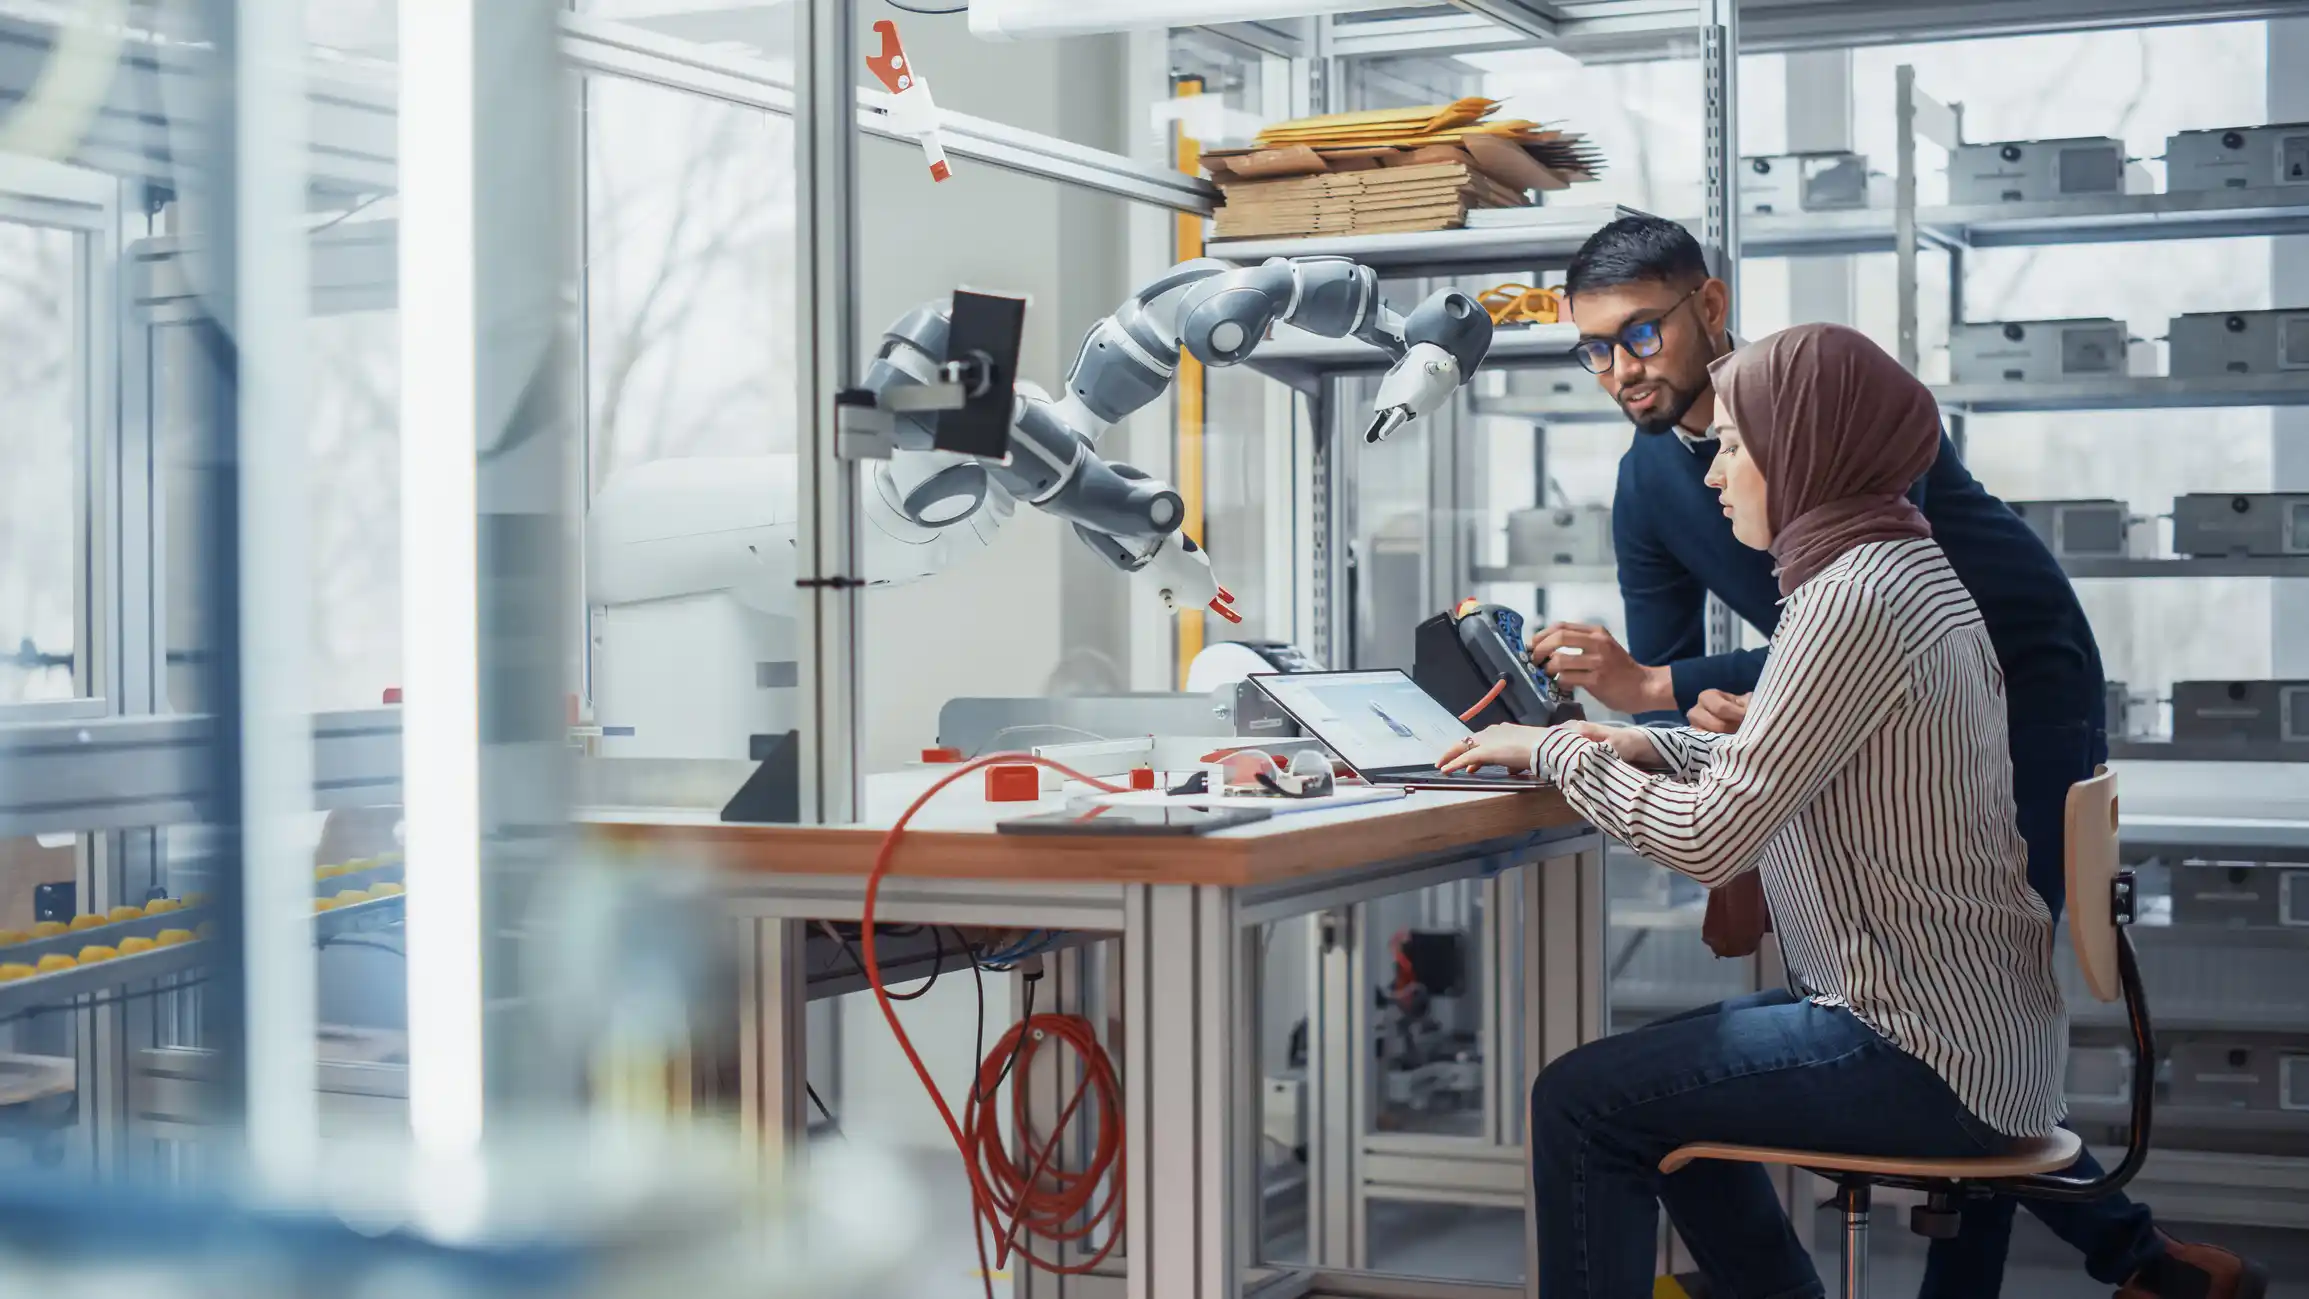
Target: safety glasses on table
pixel 1641 339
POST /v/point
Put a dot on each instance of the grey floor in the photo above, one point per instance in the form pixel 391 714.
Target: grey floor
pixel 1477 1244
pixel 1487 1244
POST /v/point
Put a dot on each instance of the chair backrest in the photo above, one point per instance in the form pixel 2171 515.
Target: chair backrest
pixel 2091 867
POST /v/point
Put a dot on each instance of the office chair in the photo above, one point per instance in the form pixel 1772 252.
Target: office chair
pixel 2100 900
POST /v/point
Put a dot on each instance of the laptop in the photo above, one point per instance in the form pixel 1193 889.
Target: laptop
pixel 1383 726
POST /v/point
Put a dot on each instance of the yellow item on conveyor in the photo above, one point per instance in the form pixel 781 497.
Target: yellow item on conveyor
pixel 88 920
pixel 15 970
pixel 95 952
pixel 48 929
pixel 124 912
pixel 11 937
pixel 161 906
pixel 327 872
pixel 326 904
pixel 55 961
pixel 131 946
pixel 388 889
pixel 351 896
pixel 171 937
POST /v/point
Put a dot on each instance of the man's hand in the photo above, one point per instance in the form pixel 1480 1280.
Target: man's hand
pixel 1579 655
pixel 1717 711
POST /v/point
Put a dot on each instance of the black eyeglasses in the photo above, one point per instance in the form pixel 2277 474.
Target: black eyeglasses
pixel 1641 339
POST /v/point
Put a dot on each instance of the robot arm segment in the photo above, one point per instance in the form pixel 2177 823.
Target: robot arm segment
pixel 1220 314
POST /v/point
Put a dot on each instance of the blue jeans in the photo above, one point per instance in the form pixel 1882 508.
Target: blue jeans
pixel 2116 1235
pixel 1763 1070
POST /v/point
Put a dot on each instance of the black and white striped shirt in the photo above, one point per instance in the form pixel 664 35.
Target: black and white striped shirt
pixel 1871 785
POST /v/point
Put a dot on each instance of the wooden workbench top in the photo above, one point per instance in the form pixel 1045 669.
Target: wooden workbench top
pixel 963 845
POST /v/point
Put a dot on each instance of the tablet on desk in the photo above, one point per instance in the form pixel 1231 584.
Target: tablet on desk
pixel 1134 819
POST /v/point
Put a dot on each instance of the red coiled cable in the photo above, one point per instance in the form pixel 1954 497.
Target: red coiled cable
pixel 1042 1200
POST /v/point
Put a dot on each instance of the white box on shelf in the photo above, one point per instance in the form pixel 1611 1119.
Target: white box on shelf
pixel 2237 157
pixel 1835 181
pixel 2042 171
pixel 2208 343
pixel 2038 351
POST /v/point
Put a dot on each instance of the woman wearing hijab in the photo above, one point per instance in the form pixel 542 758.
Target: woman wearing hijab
pixel 1870 788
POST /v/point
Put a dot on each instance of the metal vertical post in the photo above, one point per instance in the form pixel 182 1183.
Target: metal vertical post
pixel 1333 1066
pixel 1563 975
pixel 212 462
pixel 276 588
pixel 2288 46
pixel 1720 128
pixel 1904 210
pixel 485 435
pixel 826 211
pixel 1956 418
pixel 1720 212
pixel 773 1039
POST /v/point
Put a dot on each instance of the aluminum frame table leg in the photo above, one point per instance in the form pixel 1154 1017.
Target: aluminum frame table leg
pixel 773 1040
pixel 1564 998
pixel 1189 1098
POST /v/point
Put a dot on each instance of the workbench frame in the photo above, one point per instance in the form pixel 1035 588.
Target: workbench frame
pixel 1187 1199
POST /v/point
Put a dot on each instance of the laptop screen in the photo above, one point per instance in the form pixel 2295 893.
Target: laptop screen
pixel 1377 721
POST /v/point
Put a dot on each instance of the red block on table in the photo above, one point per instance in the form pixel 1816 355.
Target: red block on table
pixel 1142 778
pixel 1013 784
pixel 943 753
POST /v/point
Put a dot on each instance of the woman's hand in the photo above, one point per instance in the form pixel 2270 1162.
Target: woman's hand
pixel 1510 746
pixel 1505 745
pixel 1627 742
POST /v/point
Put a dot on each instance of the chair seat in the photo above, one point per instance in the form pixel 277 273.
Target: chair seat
pixel 2034 1155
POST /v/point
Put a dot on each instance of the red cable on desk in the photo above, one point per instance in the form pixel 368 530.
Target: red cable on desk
pixel 1040 1200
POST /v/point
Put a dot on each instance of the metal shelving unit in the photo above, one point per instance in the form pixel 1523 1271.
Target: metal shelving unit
pixel 2138 392
pixel 2223 566
pixel 2206 751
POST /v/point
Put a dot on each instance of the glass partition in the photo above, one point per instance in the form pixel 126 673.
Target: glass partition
pixel 44 516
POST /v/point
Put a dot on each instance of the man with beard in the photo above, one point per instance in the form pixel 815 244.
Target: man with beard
pixel 1651 318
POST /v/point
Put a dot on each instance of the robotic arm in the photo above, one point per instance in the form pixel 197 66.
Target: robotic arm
pixel 923 502
pixel 1220 314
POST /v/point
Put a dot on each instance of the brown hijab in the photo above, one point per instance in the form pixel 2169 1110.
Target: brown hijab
pixel 1841 433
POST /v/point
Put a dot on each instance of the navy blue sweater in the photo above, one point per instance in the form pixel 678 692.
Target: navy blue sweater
pixel 1675 546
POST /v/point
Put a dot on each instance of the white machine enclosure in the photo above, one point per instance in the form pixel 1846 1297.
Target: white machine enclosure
pixel 2207 343
pixel 2219 525
pixel 2237 157
pixel 1577 536
pixel 1828 181
pixel 2037 351
pixel 2080 529
pixel 2042 171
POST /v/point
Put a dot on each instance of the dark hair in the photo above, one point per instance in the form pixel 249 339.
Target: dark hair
pixel 1636 250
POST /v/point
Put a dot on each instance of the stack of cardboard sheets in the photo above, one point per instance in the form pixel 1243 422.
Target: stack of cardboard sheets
pixel 1391 170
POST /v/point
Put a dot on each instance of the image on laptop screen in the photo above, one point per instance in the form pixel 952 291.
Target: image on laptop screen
pixel 1376 720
